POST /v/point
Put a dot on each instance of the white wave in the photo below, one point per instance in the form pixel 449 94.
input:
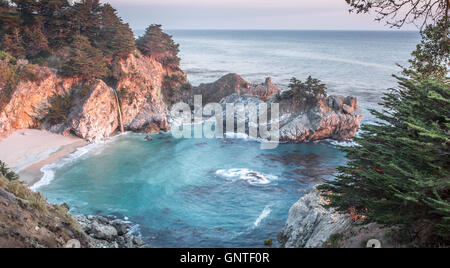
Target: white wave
pixel 349 143
pixel 252 177
pixel 243 136
pixel 264 214
pixel 49 170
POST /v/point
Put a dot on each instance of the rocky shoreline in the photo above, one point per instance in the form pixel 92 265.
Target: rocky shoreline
pixel 109 232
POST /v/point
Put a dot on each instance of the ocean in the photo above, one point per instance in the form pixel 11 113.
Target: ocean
pixel 356 63
pixel 228 192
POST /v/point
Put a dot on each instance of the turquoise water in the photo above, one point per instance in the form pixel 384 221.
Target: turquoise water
pixel 190 192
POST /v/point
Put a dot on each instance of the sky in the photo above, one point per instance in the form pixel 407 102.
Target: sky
pixel 245 14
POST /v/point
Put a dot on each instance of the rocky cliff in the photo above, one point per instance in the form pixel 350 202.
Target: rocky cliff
pixel 333 117
pixel 93 112
pixel 234 84
pixel 28 221
pixel 310 225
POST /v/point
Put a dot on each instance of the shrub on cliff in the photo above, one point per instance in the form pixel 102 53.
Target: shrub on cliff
pixel 7 173
pixel 58 109
pixel 159 45
pixel 9 78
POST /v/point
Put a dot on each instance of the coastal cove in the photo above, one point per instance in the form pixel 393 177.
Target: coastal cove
pixel 192 193
pixel 200 192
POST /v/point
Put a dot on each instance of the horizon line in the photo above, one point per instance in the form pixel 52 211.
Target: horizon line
pixel 280 29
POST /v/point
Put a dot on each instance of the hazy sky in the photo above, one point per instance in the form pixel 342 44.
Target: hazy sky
pixel 244 14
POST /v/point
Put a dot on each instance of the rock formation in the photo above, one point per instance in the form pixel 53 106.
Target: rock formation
pixel 333 117
pixel 94 113
pixel 231 84
pixel 310 225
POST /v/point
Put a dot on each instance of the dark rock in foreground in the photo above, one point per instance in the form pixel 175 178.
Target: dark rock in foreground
pixel 106 232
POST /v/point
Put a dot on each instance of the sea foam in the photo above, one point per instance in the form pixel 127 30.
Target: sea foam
pixel 252 177
pixel 264 214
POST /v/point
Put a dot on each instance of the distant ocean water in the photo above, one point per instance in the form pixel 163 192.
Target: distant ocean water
pixel 228 192
pixel 357 63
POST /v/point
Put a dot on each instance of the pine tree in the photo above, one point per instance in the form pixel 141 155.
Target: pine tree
pixel 84 60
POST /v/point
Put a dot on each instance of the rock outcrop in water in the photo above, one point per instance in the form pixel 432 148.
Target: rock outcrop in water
pixel 234 84
pixel 333 117
pixel 93 113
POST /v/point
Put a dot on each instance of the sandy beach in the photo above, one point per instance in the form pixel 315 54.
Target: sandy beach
pixel 27 151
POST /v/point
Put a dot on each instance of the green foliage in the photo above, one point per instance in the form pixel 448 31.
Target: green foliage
pixel 159 45
pixel 310 89
pixel 115 38
pixel 9 78
pixel 59 109
pixel 36 30
pixel 9 58
pixel 172 82
pixel 431 56
pixel 84 60
pixel 399 173
pixel 7 173
pixel 268 242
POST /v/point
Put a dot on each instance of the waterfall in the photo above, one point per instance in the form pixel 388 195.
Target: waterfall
pixel 119 110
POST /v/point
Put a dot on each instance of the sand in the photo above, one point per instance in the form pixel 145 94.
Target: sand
pixel 27 151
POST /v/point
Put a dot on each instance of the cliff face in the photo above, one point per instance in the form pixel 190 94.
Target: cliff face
pixel 310 225
pixel 94 109
pixel 28 221
pixel 333 117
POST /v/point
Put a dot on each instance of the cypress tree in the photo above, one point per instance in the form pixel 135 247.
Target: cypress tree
pixel 84 60
pixel 159 45
pixel 399 171
pixel 115 38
